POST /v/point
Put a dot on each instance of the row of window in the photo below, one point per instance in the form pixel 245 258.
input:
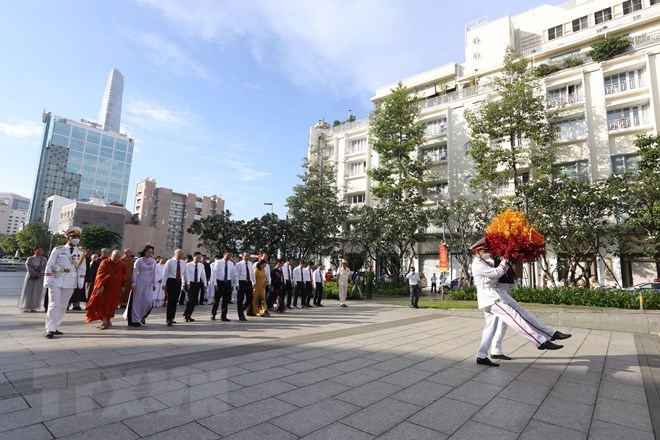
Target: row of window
pixel 580 23
pixel 92 137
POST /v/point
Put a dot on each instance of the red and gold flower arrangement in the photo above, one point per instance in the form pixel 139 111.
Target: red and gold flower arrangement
pixel 511 236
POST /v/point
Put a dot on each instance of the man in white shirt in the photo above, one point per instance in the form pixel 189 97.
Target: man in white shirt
pixel 175 275
pixel 299 282
pixel 319 280
pixel 195 282
pixel 287 272
pixel 245 278
pixel 413 285
pixel 490 301
pixel 309 277
pixel 434 285
pixel 223 281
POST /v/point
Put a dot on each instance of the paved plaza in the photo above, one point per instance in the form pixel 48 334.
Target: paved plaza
pixel 372 370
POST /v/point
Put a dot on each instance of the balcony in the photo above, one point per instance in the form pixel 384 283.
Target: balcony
pixel 623 123
pixel 622 86
pixel 570 99
pixel 456 96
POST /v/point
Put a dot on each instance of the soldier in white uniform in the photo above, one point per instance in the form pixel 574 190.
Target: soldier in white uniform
pixel 65 271
pixel 489 300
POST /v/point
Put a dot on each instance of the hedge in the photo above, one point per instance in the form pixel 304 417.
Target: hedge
pixel 571 296
pixel 331 291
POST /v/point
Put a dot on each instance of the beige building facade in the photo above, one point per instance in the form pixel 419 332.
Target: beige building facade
pixel 604 107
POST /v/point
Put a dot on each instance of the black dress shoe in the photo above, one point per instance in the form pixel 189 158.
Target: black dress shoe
pixel 49 335
pixel 169 323
pixel 560 336
pixel 212 317
pixel 57 332
pixel 486 361
pixel 136 324
pixel 190 320
pixel 547 345
pixel 500 356
pixel 320 305
pixel 173 322
pixel 143 322
pixel 77 308
pixel 225 319
pixel 289 307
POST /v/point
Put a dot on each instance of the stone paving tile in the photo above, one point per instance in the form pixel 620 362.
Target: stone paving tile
pixel 392 365
pixel 623 413
pixel 310 354
pixel 536 430
pixel 563 413
pixel 406 430
pixel 247 395
pixel 262 431
pixel 406 377
pixel 369 393
pixel 381 416
pixel 353 364
pixel 496 376
pixel 236 420
pixel 169 418
pixel 184 395
pixel 445 415
pixel 38 414
pixel 312 376
pixel 188 431
pixel 313 393
pixel 262 376
pixel 358 377
pixel 611 431
pixel 575 392
pixel 627 377
pixel 539 376
pixel 338 431
pixel 473 430
pixel 113 431
pixel 266 363
pixel 12 404
pixel 32 432
pixel 506 414
pixel 308 419
pixel 211 375
pixel 345 355
pixel 620 391
pixel 525 392
pixel 434 365
pixel 310 364
pixel 75 423
pixel 114 397
pixel 582 377
pixel 423 393
pixel 476 393
pixel 452 376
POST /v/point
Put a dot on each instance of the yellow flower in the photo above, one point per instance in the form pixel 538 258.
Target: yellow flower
pixel 510 223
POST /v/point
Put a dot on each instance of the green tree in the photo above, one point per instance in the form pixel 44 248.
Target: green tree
pixel 465 220
pixel 267 233
pixel 401 177
pixel 510 132
pixel 316 212
pixel 218 233
pixel 8 245
pixel 32 235
pixel 96 237
pixel 608 47
pixel 640 198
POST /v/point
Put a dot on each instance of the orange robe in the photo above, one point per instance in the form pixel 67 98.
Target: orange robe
pixel 128 263
pixel 112 277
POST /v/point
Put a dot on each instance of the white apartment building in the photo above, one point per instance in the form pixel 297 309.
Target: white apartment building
pixel 606 105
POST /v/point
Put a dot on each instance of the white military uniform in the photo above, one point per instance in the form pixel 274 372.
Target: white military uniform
pixel 65 271
pixel 490 301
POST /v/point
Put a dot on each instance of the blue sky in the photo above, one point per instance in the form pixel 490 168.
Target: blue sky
pixel 219 95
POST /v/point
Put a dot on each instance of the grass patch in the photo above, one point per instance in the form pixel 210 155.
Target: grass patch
pixel 447 304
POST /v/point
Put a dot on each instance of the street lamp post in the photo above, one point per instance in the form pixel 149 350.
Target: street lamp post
pixel 271 206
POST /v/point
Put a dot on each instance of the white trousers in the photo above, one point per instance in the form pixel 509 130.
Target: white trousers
pixel 500 331
pixel 511 317
pixel 343 288
pixel 58 301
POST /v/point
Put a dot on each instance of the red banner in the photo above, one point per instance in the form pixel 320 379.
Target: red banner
pixel 443 258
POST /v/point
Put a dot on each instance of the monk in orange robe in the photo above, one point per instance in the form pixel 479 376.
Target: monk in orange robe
pixel 108 287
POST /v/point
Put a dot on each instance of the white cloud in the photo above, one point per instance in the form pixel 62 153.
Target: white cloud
pixel 168 56
pixel 21 129
pixel 149 115
pixel 244 171
pixel 341 46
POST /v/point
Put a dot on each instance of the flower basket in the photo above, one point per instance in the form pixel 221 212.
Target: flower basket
pixel 511 236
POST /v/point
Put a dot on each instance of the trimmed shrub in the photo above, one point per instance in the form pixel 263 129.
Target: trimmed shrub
pixel 546 69
pixel 608 47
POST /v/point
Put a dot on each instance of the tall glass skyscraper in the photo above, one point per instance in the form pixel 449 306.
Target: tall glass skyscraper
pixel 81 159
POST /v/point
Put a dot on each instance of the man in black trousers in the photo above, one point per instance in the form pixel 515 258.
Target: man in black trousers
pixel 223 279
pixel 175 274
pixel 245 277
pixel 287 272
pixel 196 282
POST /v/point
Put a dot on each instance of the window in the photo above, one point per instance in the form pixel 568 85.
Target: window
pixel 357 145
pixel 555 32
pixel 60 141
pixel 93 137
pixel 437 191
pixel 603 15
pixel 655 2
pixel 569 94
pixel 78 133
pixel 631 6
pixel 437 127
pixel 356 198
pixel 356 168
pixel 572 129
pixel 580 23
pixel 62 128
pixel 573 170
pixel 627 117
pixel 434 154
pixel 625 164
pixel 620 82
